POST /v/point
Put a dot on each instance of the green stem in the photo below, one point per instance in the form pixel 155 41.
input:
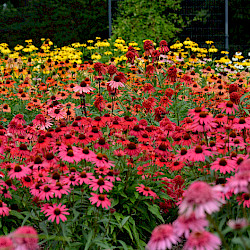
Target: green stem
pixel 211 220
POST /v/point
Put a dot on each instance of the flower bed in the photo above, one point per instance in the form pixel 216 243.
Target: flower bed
pixel 99 154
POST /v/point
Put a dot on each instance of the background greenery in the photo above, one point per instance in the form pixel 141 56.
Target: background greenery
pixel 70 21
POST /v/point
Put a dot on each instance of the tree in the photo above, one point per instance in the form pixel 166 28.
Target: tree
pixel 141 19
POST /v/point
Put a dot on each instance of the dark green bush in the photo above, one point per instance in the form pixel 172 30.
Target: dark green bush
pixel 63 22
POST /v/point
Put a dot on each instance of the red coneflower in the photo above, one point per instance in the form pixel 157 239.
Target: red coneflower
pixel 146 191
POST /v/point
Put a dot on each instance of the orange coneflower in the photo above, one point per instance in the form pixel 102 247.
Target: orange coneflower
pixel 23 96
pixel 5 108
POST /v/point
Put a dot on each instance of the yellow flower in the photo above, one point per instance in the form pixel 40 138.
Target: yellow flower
pixel 209 42
pixel 212 49
pixel 108 53
pixel 96 56
pixel 90 41
pixel 98 38
pixel 224 52
pixel 187 41
pixel 18 47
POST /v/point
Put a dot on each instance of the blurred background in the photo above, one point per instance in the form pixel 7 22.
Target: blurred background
pixel 65 22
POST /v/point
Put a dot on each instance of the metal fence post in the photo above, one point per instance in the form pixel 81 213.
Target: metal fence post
pixel 226 26
pixel 110 18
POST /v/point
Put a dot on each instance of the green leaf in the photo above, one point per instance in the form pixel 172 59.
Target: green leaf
pixel 16 214
pixel 5 230
pixel 123 244
pixel 25 219
pixel 90 235
pixel 124 221
pixel 154 209
pixel 127 228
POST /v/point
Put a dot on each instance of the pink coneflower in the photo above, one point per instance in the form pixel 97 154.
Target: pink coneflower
pixel 68 139
pixel 244 199
pixel 101 170
pixel 57 212
pixel 146 191
pixel 61 189
pixel 240 182
pixel 19 171
pixel 183 154
pixel 71 154
pixel 57 113
pixel 6 243
pixel 223 165
pixel 101 160
pixel 184 224
pixel 25 237
pixel 203 122
pixel 83 88
pixel 35 189
pixel 101 184
pixel 84 177
pixel 19 119
pixel 238 223
pixel 195 112
pixel 112 175
pixel 40 122
pixel 46 191
pixel 71 179
pixel 229 107
pixel 83 139
pixel 132 149
pixel 101 144
pixel 241 123
pixel 162 150
pixel 87 154
pixel 198 153
pixel 114 84
pixel 4 210
pixel 100 199
pixel 21 151
pixel 200 199
pixel 202 240
pixel 162 238
pixel 136 131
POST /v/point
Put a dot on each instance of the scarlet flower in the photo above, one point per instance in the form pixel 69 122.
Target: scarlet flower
pixel 131 56
pixel 163 47
pixel 146 191
pixel 112 70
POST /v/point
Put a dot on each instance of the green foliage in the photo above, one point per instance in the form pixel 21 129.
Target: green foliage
pixel 141 19
pixel 64 22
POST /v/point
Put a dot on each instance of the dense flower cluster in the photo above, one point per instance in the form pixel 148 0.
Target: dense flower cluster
pixel 157 130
